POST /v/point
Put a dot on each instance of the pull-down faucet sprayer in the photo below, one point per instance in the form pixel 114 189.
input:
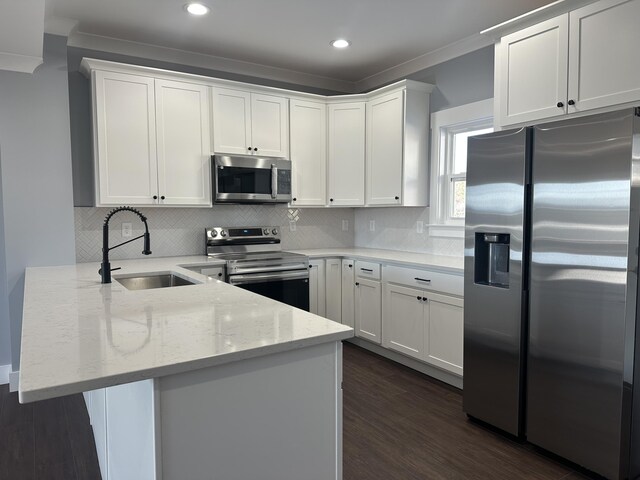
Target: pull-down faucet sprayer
pixel 105 266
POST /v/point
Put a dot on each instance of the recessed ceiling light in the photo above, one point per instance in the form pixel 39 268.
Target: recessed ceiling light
pixel 340 43
pixel 197 9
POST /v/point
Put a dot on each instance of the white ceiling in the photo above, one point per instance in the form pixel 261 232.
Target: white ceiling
pixel 295 34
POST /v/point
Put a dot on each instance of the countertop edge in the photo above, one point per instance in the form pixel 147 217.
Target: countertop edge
pixel 34 395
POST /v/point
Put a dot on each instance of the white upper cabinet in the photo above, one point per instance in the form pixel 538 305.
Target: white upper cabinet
pixel 534 72
pixel 384 149
pixel 184 165
pixel 250 123
pixel 270 125
pixel 604 59
pixel 151 141
pixel 581 61
pixel 231 121
pixel 346 154
pixel 308 152
pixel 397 160
pixel 124 139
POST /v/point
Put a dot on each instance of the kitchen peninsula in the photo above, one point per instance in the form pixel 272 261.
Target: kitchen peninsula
pixel 196 381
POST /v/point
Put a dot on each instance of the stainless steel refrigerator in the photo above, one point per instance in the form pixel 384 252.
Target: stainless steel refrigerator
pixel 551 284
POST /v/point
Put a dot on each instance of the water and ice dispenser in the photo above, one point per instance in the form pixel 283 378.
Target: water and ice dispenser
pixel 492 259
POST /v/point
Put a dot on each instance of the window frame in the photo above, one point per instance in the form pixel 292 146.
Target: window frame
pixel 445 124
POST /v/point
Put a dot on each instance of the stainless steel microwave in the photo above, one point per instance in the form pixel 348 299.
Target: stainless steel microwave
pixel 251 179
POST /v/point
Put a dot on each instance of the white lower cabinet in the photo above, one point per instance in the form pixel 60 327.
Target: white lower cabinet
pixel 348 293
pixel 423 316
pixel 333 289
pixel 368 315
pixel 123 421
pixel 317 300
pixel 405 317
pixel 444 335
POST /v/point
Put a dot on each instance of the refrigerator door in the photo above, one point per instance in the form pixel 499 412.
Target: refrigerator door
pixel 493 287
pixel 580 245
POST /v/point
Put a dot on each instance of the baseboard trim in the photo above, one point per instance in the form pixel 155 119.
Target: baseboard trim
pixel 438 374
pixel 4 374
pixel 14 381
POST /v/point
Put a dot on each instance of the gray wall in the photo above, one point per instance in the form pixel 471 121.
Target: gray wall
pixel 36 175
pixel 5 332
pixel 459 81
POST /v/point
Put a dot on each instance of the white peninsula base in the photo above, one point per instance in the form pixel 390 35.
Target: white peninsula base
pixel 272 417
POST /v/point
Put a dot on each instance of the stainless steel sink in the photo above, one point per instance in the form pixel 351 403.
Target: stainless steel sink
pixel 145 282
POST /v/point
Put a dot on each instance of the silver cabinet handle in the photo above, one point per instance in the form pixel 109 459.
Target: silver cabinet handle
pixel 422 279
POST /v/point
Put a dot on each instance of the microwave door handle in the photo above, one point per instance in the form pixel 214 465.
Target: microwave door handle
pixel 274 181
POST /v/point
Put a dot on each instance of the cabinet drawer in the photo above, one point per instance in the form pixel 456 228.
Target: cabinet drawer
pixel 425 279
pixel 367 270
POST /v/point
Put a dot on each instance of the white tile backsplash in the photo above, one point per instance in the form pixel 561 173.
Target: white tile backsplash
pixel 395 229
pixel 180 231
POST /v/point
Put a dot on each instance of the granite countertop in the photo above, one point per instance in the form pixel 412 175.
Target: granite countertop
pixel 443 263
pixel 80 335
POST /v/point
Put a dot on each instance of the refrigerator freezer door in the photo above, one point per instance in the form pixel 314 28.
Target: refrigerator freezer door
pixel 493 289
pixel 580 243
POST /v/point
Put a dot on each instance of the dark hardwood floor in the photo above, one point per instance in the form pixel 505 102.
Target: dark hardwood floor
pixel 398 424
pixel 48 440
pixel 401 424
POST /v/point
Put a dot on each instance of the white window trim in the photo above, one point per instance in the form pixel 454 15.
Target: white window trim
pixel 477 113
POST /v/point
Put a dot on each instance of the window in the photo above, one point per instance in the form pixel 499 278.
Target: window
pixel 450 131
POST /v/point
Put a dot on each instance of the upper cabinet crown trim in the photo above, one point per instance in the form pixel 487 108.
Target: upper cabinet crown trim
pixel 90 64
pixel 535 16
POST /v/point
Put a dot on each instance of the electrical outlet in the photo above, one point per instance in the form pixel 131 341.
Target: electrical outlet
pixel 372 225
pixel 292 226
pixel 345 225
pixel 126 230
pixel 419 226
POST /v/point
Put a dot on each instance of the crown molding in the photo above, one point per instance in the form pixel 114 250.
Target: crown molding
pixel 183 57
pixel 59 25
pixel 19 63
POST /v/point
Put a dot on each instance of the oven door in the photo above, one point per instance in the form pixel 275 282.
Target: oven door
pixel 290 287
pixel 244 179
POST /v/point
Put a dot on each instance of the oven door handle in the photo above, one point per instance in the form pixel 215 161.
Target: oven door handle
pixel 267 277
pixel 274 180
pixel 280 268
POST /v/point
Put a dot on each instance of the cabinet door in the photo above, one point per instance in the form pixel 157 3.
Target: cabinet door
pixel 231 121
pixel 444 335
pixel 346 154
pixel 533 72
pixel 333 289
pixel 182 117
pixel 130 431
pixel 317 299
pixel 270 125
pixel 604 63
pixel 99 424
pixel 348 293
pixel 368 296
pixel 125 139
pixel 403 320
pixel 385 134
pixel 309 152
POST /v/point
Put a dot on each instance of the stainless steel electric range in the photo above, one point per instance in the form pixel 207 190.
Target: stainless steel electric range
pixel 255 261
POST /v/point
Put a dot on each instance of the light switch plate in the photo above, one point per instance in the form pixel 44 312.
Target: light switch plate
pixel 420 226
pixel 292 226
pixel 345 225
pixel 126 230
pixel 372 225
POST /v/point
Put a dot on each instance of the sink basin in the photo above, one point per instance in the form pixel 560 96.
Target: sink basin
pixel 145 282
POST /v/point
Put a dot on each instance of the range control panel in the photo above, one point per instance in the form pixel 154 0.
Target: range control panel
pixel 253 235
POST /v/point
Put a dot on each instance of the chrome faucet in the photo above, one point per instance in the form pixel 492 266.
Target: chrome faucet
pixel 105 266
